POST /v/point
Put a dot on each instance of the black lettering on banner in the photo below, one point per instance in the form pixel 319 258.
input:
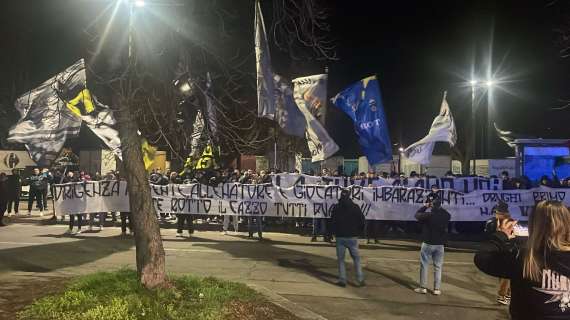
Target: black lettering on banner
pixel 233 205
pixel 89 191
pixel 283 194
pixel 546 195
pixel 322 209
pixel 465 185
pixel 96 189
pixel 155 189
pixel 221 208
pixel 252 208
pixel 298 192
pixel 158 203
pixel 356 193
pixel 484 184
pixel 503 196
pixel 485 211
pixel 78 192
pixel 331 192
pixel 195 192
pixel 291 209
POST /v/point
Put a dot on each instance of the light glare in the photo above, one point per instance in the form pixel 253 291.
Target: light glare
pixel 139 3
pixel 473 82
pixel 490 83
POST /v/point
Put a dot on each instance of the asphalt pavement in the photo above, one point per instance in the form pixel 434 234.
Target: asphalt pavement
pixel 287 265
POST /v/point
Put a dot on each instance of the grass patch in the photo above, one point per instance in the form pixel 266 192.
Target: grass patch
pixel 119 296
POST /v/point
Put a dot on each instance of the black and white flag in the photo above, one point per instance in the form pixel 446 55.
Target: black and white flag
pixel 49 114
pixel 310 95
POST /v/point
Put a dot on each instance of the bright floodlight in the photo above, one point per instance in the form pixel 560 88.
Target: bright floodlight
pixel 473 82
pixel 490 83
pixel 401 149
pixel 185 88
pixel 139 3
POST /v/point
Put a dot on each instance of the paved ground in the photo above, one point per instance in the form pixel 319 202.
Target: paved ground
pixel 289 265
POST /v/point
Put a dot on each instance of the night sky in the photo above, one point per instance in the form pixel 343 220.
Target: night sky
pixel 418 49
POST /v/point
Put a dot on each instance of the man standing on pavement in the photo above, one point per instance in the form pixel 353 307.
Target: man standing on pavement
pixel 347 223
pixel 14 191
pixel 3 196
pixel 434 220
pixel 35 181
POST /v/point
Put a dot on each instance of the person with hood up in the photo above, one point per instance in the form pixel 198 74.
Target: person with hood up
pixel 347 223
pixel 540 272
pixel 434 220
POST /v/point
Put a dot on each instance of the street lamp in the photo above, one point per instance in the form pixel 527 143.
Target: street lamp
pixel 475 84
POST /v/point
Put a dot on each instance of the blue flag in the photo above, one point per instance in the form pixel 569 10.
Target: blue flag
pixel 363 104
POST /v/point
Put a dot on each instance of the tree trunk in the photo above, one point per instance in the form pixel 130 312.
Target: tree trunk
pixel 148 242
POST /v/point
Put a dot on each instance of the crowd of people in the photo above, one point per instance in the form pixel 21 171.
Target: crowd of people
pixel 534 274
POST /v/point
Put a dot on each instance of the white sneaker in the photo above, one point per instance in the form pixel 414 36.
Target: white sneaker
pixel 225 232
pixel 78 231
pixel 420 290
pixel 436 292
pixel 100 228
pixel 179 235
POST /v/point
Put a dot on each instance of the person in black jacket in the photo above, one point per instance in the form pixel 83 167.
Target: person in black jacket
pixel 3 196
pixel 14 191
pixel 36 183
pixel 347 222
pixel 434 220
pixel 539 273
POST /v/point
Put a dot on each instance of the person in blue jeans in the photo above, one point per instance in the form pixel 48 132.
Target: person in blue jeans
pixel 434 220
pixel 347 223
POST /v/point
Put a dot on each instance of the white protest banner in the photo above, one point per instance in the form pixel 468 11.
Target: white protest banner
pixel 461 184
pixel 300 201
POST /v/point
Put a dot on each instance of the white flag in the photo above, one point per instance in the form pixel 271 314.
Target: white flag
pixel 265 86
pixel 442 130
pixel 310 95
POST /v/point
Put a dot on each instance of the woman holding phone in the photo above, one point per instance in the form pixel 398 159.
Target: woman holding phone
pixel 540 272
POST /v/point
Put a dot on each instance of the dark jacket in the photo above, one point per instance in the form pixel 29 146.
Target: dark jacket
pixel 36 182
pixel 530 300
pixel 4 197
pixel 347 219
pixel 434 225
pixel 14 186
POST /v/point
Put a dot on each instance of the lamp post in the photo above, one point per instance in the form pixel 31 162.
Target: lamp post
pixel 474 85
pixel 401 149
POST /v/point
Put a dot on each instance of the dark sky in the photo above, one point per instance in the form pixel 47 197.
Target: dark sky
pixel 417 49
